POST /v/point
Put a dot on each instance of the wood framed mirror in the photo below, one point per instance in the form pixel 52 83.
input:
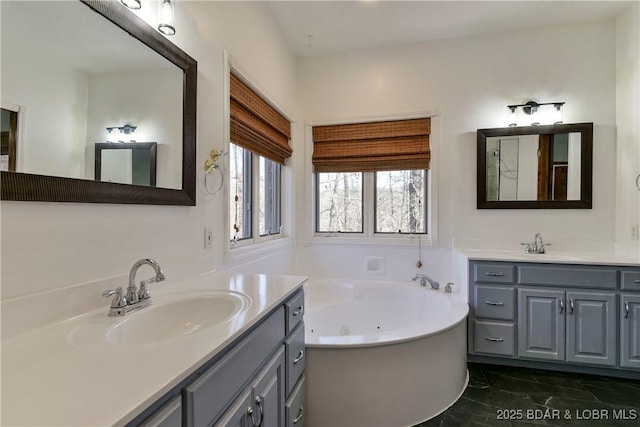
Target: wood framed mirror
pixel 103 28
pixel 535 167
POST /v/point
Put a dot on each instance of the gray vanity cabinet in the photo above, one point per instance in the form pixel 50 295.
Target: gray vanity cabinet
pixel 541 323
pixel 630 330
pixel 254 382
pixel 585 317
pixel 573 326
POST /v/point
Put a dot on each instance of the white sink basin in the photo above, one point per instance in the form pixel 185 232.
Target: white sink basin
pixel 167 320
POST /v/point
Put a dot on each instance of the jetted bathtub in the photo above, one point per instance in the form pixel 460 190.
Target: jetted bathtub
pixel 381 353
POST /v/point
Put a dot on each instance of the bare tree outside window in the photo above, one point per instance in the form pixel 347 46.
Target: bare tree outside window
pixel 339 202
pixel 400 201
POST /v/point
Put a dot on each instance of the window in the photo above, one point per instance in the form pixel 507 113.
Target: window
pixel 339 202
pixel 400 198
pixel 377 164
pixel 244 177
pixel 259 146
pixel 400 202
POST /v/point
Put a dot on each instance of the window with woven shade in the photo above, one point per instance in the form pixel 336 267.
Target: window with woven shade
pixel 374 146
pixel 256 125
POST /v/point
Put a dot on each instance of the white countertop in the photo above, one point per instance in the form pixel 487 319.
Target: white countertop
pixel 49 380
pixel 595 258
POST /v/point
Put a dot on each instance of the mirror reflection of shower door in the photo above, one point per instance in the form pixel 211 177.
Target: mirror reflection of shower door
pixel 508 168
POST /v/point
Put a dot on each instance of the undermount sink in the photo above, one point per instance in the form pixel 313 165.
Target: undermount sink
pixel 166 320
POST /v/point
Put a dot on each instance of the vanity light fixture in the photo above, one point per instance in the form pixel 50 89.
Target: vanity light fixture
pixel 132 4
pixel 167 9
pixel 535 113
pixel 124 133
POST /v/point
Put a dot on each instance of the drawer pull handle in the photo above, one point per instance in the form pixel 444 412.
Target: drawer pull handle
pixel 250 413
pixel 499 304
pixel 494 339
pixel 299 417
pixel 571 307
pixel 636 281
pixel 492 274
pixel 259 403
pixel 299 358
pixel 300 310
pixel 561 305
pixel 626 309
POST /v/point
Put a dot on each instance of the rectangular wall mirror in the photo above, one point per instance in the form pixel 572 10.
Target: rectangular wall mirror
pixel 100 66
pixel 535 167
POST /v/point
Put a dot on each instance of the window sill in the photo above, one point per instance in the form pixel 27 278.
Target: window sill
pixel 247 252
pixel 379 240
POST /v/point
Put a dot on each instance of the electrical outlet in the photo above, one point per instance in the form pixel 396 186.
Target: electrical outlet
pixel 634 232
pixel 208 238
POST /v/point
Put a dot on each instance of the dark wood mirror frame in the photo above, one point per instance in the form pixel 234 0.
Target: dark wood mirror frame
pixel 586 169
pixel 43 188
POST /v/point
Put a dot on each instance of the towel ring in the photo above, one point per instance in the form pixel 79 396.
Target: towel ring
pixel 211 165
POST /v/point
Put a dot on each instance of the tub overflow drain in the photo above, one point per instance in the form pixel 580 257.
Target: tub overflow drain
pixel 344 330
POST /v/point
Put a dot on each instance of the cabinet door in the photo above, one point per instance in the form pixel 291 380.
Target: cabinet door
pixel 591 327
pixel 541 323
pixel 630 331
pixel 268 392
pixel 240 414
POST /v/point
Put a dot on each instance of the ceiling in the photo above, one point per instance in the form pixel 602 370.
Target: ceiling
pixel 323 27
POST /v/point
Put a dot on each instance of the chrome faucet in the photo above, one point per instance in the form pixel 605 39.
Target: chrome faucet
pixel 424 279
pixel 537 246
pixel 134 299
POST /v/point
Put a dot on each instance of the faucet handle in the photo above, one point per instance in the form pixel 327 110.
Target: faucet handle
pixel 447 288
pixel 119 300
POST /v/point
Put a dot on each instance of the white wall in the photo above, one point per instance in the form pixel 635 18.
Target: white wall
pixel 470 81
pixel 628 127
pixel 47 246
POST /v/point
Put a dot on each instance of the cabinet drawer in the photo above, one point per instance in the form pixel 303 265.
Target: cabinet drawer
pixel 295 357
pixel 494 302
pixel 294 311
pixel 631 280
pixel 206 397
pixel 493 273
pixel 169 415
pixel 494 338
pixel 294 407
pixel 575 276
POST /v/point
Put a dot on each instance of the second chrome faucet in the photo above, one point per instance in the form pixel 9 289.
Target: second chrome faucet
pixel 135 298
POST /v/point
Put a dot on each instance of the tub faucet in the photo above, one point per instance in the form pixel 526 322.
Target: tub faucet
pixel 134 299
pixel 424 279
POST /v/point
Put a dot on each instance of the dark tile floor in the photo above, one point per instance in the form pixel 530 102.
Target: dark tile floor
pixel 508 396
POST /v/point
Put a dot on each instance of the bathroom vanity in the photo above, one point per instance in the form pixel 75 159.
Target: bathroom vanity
pixel 582 317
pixel 245 370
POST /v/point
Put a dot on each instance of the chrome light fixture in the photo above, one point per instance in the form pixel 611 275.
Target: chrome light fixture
pixel 535 113
pixel 124 133
pixel 132 4
pixel 167 9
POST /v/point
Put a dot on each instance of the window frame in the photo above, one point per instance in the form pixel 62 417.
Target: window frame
pixel 425 195
pixel 317 213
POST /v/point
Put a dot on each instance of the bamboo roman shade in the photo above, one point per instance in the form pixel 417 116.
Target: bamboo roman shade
pixel 376 146
pixel 256 125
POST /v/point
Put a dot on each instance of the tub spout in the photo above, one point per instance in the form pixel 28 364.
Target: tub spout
pixel 424 279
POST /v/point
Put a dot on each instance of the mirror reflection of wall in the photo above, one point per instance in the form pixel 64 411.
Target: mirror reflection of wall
pixel 533 167
pixel 126 163
pixel 81 78
pixel 8 143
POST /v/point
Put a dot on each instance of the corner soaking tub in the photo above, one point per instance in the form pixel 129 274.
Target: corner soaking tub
pixel 381 353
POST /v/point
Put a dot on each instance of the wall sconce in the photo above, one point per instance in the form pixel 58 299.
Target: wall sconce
pixel 166 17
pixel 124 133
pixel 534 113
pixel 132 4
